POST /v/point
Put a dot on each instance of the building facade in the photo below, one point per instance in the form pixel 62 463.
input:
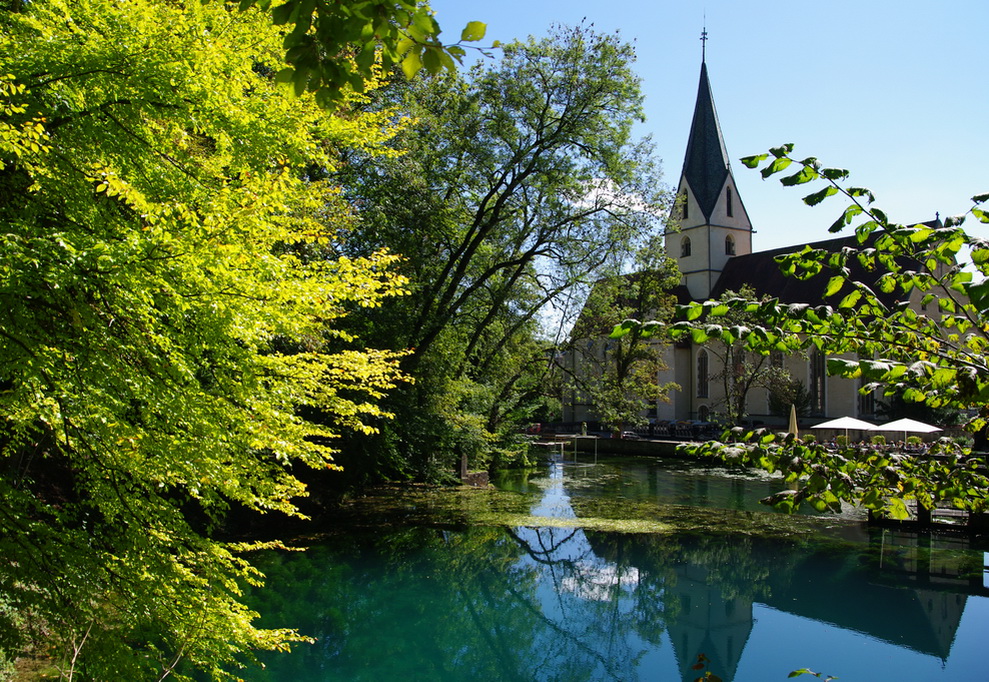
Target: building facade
pixel 710 236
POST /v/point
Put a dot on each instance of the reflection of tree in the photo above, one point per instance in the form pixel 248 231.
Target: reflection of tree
pixel 700 588
pixel 564 603
pixel 590 618
pixel 403 604
pixel 474 611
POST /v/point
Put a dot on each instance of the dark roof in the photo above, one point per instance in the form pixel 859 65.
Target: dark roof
pixel 762 273
pixel 706 165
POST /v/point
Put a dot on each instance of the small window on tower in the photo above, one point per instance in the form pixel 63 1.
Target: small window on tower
pixel 686 213
pixel 729 246
pixel 685 247
pixel 729 201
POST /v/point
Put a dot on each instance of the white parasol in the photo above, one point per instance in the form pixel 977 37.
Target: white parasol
pixel 846 424
pixel 906 426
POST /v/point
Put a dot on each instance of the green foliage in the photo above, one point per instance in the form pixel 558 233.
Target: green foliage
pixel 618 375
pixel 522 183
pixel 877 479
pixel 785 391
pixel 934 355
pixel 808 671
pixel 914 323
pixel 333 48
pixel 171 303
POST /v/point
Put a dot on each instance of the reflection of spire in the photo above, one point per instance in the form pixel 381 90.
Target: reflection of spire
pixel 708 623
pixel 942 612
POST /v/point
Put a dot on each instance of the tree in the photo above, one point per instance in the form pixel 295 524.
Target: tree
pixel 786 393
pixel 620 376
pixel 935 355
pixel 172 299
pixel 333 48
pixel 742 370
pixel 523 181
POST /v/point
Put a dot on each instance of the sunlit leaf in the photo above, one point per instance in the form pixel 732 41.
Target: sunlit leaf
pixel 753 161
pixel 473 31
pixel 819 196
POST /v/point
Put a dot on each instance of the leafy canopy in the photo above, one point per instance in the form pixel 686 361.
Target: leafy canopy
pixel 331 47
pixel 172 298
pixel 523 183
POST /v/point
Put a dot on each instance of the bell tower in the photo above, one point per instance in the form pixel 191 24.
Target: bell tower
pixel 713 223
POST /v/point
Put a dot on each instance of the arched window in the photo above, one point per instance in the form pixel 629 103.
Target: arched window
pixel 702 374
pixel 684 247
pixel 686 213
pixel 728 207
pixel 729 246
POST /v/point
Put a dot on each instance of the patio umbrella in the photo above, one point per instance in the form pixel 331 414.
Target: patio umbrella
pixel 845 423
pixel 793 421
pixel 907 426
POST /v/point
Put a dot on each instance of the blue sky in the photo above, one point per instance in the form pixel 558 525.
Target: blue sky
pixel 895 92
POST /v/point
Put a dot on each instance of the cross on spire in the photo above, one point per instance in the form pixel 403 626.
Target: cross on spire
pixel 704 43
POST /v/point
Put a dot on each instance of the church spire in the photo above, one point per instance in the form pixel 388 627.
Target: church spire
pixel 712 223
pixel 706 165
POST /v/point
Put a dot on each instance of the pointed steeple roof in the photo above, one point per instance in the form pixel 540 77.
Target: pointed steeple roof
pixel 705 167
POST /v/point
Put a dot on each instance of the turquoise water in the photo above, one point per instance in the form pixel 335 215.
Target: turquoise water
pixel 434 585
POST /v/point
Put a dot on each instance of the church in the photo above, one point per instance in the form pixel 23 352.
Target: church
pixel 713 249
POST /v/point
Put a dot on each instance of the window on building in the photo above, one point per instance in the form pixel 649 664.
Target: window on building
pixel 729 245
pixel 684 247
pixel 867 401
pixel 702 374
pixel 729 207
pixel 686 213
pixel 817 381
pixel 776 359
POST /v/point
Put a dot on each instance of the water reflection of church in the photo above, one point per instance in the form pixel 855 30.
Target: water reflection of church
pixel 913 597
pixel 703 588
pixel 708 623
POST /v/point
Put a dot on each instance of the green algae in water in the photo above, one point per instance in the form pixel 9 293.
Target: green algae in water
pixel 585 523
pixel 599 497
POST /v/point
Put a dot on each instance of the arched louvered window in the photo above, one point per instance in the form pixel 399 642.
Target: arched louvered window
pixel 684 247
pixel 702 374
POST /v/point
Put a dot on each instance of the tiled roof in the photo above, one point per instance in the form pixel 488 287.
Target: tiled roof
pixel 706 165
pixel 761 272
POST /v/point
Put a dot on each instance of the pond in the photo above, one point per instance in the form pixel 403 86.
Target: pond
pixel 621 570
